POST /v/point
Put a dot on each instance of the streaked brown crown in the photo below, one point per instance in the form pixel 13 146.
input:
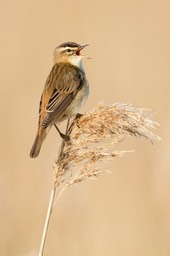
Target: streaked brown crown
pixel 69 44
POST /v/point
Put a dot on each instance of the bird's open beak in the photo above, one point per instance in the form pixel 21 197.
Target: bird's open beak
pixel 81 48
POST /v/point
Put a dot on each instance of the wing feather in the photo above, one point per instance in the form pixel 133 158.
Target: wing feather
pixel 62 85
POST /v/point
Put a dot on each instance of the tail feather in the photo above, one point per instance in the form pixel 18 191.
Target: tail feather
pixel 35 150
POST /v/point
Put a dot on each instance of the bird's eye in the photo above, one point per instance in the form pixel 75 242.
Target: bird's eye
pixel 69 50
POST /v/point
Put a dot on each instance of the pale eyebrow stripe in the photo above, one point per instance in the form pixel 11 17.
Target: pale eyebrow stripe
pixel 67 47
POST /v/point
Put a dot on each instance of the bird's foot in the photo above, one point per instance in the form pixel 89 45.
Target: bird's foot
pixel 62 135
pixel 78 116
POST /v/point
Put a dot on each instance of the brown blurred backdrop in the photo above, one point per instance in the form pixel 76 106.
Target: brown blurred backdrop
pixel 128 211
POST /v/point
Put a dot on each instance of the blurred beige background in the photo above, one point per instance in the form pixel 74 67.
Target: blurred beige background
pixel 126 212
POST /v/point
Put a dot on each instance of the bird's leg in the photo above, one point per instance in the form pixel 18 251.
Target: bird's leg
pixel 63 136
pixel 67 127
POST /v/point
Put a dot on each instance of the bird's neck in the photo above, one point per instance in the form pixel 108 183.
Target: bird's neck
pixel 77 62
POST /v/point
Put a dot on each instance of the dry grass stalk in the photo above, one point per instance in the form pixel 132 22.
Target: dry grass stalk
pixel 92 138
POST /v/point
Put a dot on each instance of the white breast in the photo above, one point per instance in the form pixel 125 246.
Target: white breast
pixel 80 99
pixel 76 60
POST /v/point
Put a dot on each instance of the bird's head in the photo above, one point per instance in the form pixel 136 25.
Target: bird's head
pixel 69 52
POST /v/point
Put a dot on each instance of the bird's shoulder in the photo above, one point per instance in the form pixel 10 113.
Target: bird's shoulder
pixel 64 77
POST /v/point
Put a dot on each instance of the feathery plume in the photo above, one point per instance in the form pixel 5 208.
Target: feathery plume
pixel 92 138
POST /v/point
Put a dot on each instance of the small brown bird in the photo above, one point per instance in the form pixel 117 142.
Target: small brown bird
pixel 65 91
